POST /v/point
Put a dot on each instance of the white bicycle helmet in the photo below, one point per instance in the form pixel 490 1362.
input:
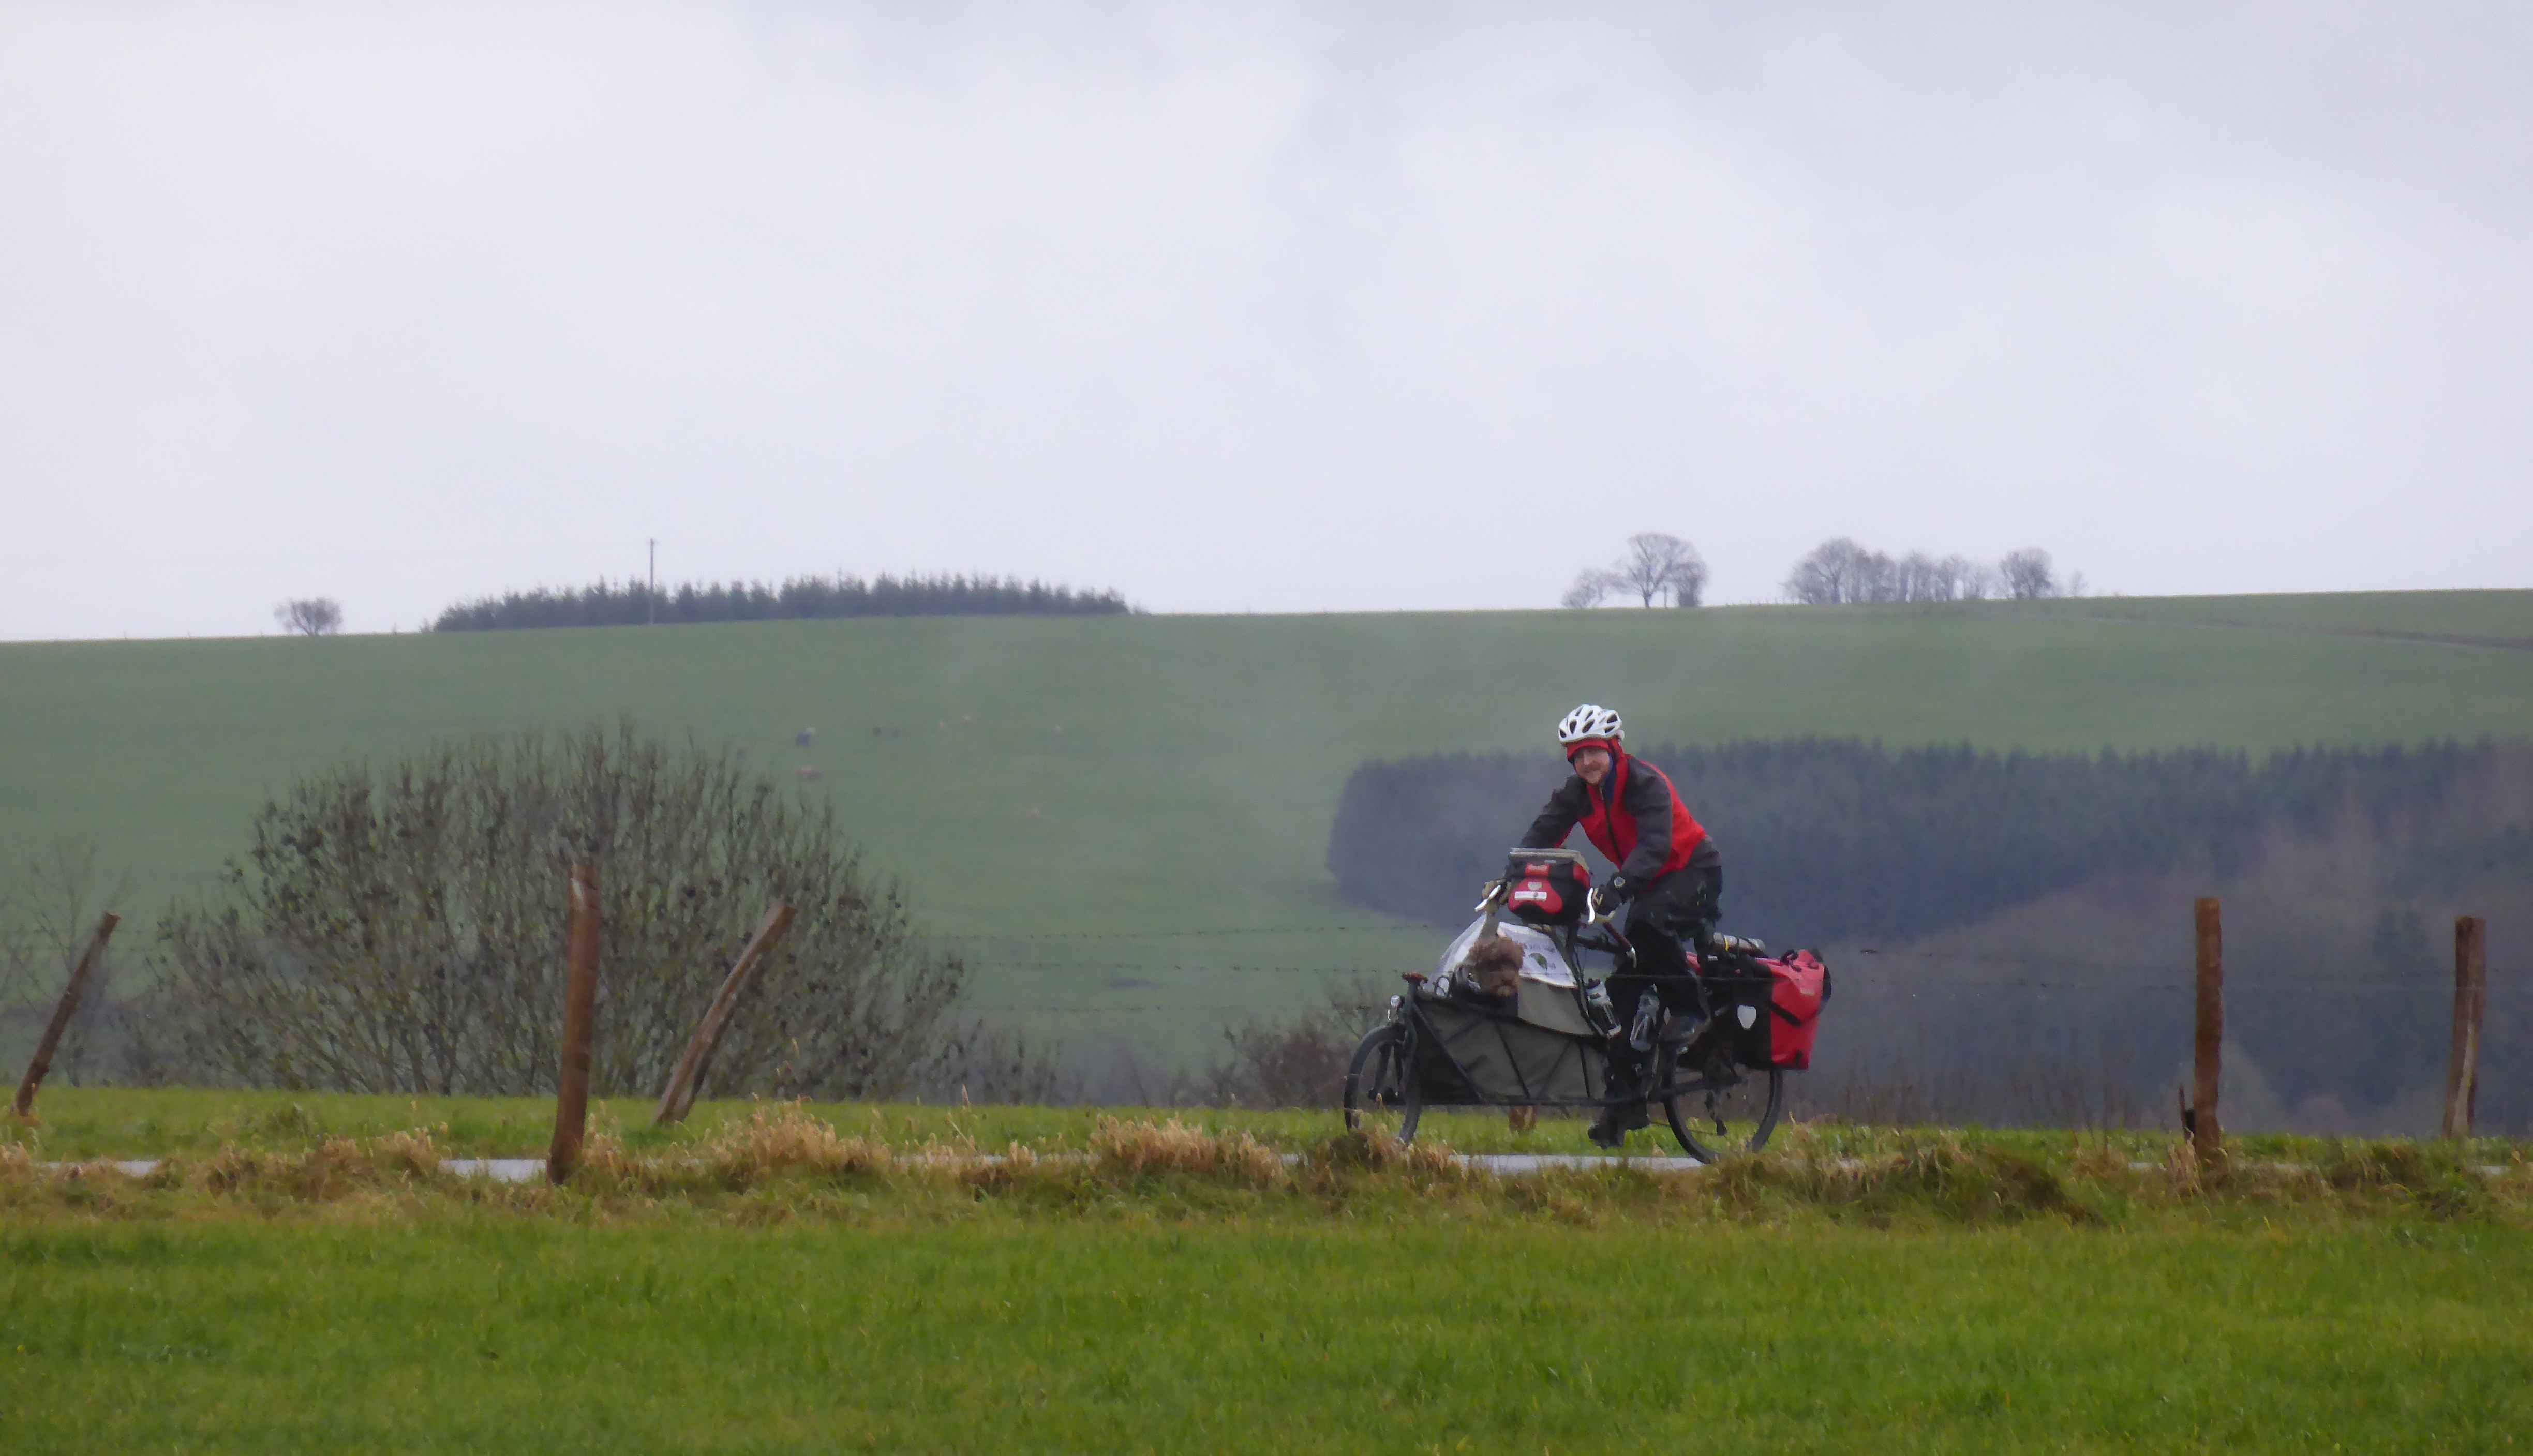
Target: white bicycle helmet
pixel 1591 721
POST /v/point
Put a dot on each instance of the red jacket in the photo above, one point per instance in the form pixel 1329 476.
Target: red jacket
pixel 1636 818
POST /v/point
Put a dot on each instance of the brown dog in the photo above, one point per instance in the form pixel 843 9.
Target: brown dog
pixel 1495 963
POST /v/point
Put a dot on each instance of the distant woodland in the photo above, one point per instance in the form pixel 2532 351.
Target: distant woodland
pixel 609 604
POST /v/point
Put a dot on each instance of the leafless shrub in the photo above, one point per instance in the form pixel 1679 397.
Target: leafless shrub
pixel 989 1063
pixel 1112 1071
pixel 1298 1062
pixel 400 931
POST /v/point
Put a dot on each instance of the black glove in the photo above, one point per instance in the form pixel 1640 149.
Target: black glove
pixel 1602 902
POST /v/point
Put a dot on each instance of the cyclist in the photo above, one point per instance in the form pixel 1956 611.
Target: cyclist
pixel 1668 877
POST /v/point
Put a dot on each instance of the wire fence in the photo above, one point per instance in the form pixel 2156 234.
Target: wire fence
pixel 2020 1032
pixel 2001 1032
pixel 2063 971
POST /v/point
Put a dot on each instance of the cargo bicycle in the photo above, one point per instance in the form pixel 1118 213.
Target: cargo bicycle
pixel 1509 1018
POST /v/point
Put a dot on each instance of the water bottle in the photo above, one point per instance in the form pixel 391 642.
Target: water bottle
pixel 1648 1016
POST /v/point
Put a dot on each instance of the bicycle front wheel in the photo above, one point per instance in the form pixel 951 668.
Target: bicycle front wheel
pixel 1381 1098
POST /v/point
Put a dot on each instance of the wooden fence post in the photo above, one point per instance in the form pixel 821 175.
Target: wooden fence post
pixel 63 1011
pixel 679 1099
pixel 2471 999
pixel 2207 1140
pixel 579 1011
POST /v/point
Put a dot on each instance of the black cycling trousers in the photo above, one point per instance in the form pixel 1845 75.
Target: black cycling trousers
pixel 1674 913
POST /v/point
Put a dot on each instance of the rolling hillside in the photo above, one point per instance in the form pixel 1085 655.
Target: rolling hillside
pixel 1124 818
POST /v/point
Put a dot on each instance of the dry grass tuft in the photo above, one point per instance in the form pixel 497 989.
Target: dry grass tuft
pixel 1133 1150
pixel 2182 1173
pixel 2430 1177
pixel 1425 1164
pixel 336 1168
pixel 2098 1160
pixel 776 1141
pixel 1934 1174
pixel 1017 1166
pixel 784 1139
pixel 415 1152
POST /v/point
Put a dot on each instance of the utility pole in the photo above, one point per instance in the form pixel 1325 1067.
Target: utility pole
pixel 651 597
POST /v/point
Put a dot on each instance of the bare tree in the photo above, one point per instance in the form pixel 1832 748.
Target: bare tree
pixel 310 617
pixel 1920 577
pixel 1877 579
pixel 399 930
pixel 1959 578
pixel 2026 575
pixel 1831 574
pixel 1657 565
pixel 1689 581
pixel 1590 589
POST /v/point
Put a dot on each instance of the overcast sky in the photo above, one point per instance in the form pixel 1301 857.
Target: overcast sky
pixel 1271 308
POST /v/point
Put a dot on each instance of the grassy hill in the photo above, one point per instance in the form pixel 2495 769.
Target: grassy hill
pixel 1124 818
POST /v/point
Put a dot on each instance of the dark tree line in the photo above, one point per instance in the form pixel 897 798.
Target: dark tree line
pixel 609 604
pixel 1841 572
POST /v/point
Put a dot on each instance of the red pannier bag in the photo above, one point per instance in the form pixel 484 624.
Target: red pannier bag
pixel 1799 987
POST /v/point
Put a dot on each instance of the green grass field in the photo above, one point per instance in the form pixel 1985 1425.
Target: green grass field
pixel 790 1291
pixel 1502 1333
pixel 1124 818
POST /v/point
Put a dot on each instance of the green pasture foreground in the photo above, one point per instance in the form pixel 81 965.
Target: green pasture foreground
pixel 786 1278
pixel 1485 1333
pixel 1123 819
pixel 75 1124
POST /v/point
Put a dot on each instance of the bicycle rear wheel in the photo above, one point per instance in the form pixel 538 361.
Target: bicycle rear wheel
pixel 1381 1098
pixel 1726 1108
